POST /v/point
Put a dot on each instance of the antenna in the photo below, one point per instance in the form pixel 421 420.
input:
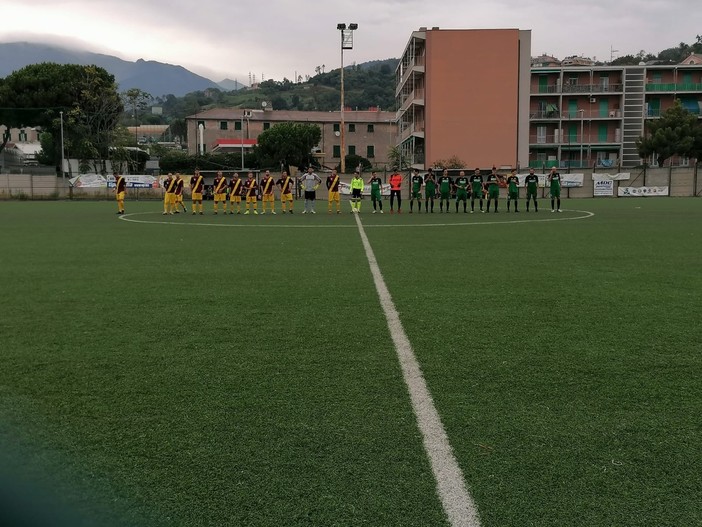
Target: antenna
pixel 612 51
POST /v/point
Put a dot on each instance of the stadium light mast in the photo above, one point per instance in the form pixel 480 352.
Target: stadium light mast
pixel 582 139
pixel 63 171
pixel 346 43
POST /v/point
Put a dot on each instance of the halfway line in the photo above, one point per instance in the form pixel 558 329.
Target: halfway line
pixel 457 502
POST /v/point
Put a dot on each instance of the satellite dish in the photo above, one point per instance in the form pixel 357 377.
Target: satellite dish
pixel 337 133
pixel 264 104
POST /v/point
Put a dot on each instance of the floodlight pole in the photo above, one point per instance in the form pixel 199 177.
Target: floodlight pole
pixel 343 128
pixel 242 140
pixel 346 43
pixel 582 122
pixel 63 173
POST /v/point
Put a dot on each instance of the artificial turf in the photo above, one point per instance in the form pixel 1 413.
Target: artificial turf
pixel 231 370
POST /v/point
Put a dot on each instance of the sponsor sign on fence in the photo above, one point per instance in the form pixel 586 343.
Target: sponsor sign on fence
pixel 603 187
pixel 345 188
pixel 619 176
pixel 572 180
pixel 638 192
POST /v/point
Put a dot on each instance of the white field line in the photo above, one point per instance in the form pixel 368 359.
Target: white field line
pixel 130 218
pixel 457 502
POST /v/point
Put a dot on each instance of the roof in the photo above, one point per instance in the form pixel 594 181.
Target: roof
pixel 27 148
pixel 692 58
pixel 232 114
pixel 236 142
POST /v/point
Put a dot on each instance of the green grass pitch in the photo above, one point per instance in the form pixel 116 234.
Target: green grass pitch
pixel 232 370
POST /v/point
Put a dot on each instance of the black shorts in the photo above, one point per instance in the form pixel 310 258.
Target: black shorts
pixel 395 193
pixel 356 193
pixel 310 194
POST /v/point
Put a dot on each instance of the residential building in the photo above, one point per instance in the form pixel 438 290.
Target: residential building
pixel 464 93
pixel 369 134
pixel 584 116
pixel 21 135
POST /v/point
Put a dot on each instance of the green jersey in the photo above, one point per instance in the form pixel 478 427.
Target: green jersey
pixel 492 180
pixel 555 180
pixel 444 184
pixel 462 183
pixel 531 182
pixel 429 183
pixel 476 181
pixel 375 184
pixel 512 183
pixel 417 181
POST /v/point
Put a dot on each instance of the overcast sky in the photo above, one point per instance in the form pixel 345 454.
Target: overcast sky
pixel 276 38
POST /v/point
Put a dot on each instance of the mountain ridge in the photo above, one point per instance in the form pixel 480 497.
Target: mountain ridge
pixel 157 78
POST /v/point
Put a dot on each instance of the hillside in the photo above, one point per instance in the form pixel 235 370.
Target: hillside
pixel 366 85
pixel 150 76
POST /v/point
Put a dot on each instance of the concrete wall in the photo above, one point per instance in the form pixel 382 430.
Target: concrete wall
pixel 681 180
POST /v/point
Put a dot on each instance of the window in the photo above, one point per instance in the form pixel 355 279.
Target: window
pixel 352 150
pixel 22 135
pixel 336 127
pixel 370 151
pixel 223 125
pixel 371 128
pixel 352 127
pixel 266 126
pixel 237 125
pixel 336 151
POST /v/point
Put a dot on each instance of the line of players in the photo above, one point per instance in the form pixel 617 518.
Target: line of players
pixel 442 187
pixel 476 188
pixel 229 192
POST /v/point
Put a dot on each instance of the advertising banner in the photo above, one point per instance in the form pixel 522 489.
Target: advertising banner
pixel 345 189
pixel 638 192
pixel 572 180
pixel 620 176
pixel 89 181
pixel 603 187
pixel 135 181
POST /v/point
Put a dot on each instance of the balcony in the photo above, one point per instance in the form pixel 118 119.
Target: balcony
pixel 545 115
pixel 578 88
pixel 592 88
pixel 661 87
pixel 412 129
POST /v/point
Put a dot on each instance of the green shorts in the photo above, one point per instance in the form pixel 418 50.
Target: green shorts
pixel 445 195
pixel 494 193
pixel 513 195
pixel 555 193
pixel 429 194
pixel 531 194
pixel 416 194
pixel 461 195
pixel 375 195
pixel 477 194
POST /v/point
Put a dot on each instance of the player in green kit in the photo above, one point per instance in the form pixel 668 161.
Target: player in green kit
pixel 493 188
pixel 416 182
pixel 532 184
pixel 476 183
pixel 445 184
pixel 461 186
pixel 429 190
pixel 375 185
pixel 513 190
pixel 554 179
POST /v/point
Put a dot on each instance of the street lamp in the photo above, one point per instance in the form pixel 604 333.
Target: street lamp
pixel 346 43
pixel 582 122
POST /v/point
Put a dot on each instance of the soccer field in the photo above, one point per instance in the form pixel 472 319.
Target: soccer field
pixel 239 370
